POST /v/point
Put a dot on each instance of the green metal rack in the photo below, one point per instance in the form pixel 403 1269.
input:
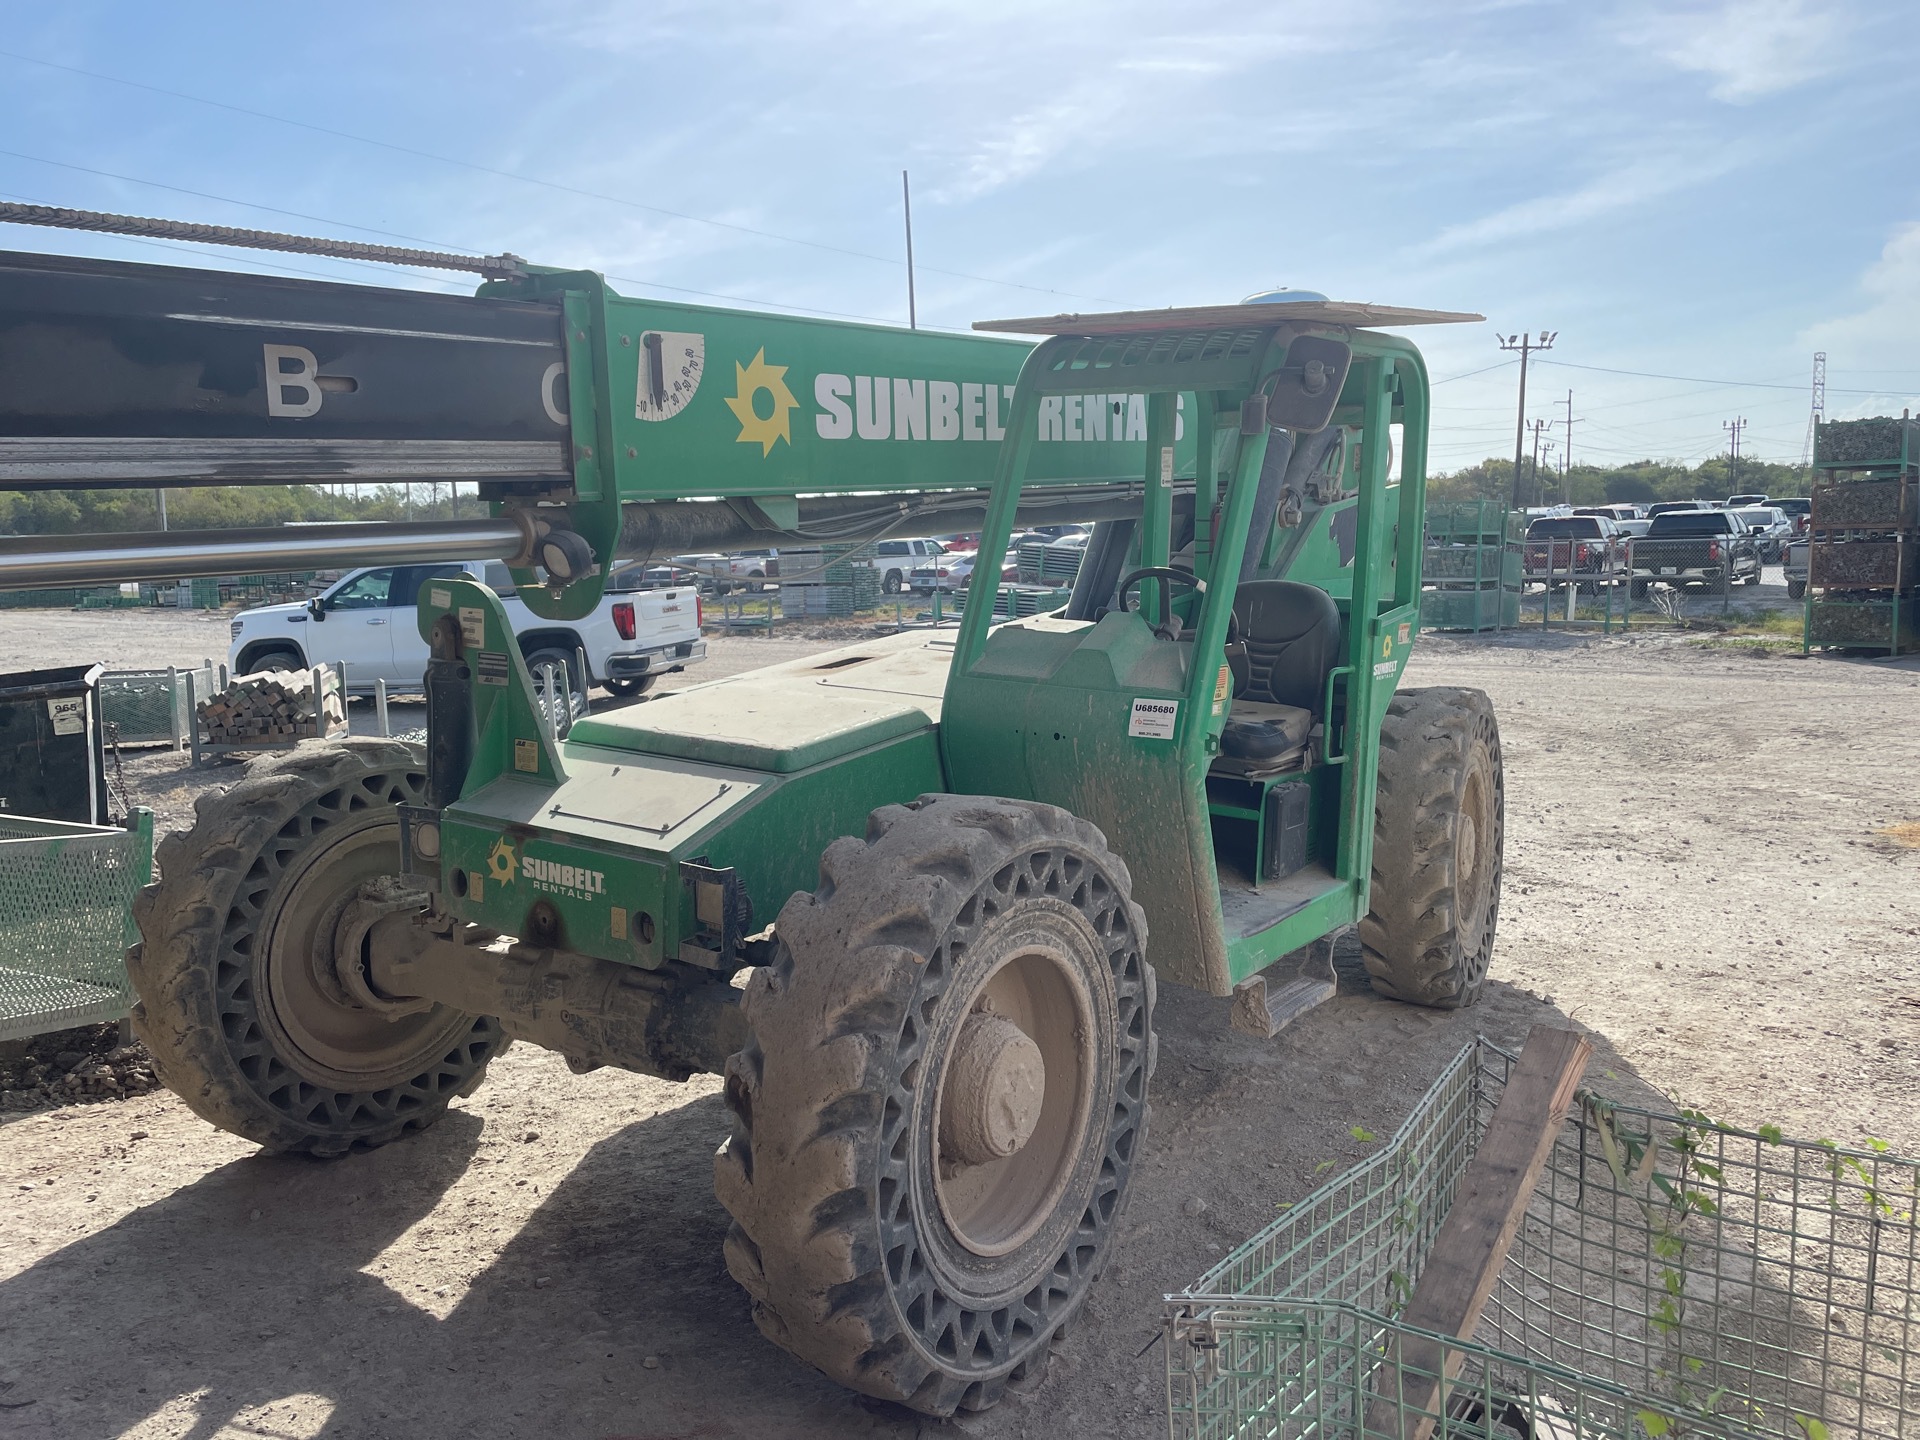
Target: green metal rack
pixel 66 920
pixel 1863 555
pixel 1471 566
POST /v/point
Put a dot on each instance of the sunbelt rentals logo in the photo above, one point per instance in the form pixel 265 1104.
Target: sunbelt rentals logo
pixel 750 383
pixel 577 882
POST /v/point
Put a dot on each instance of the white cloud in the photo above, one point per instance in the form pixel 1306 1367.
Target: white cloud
pixel 1625 188
pixel 1748 48
pixel 1879 335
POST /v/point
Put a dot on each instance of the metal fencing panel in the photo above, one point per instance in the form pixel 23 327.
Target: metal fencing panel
pixel 1672 1276
pixel 152 707
pixel 66 920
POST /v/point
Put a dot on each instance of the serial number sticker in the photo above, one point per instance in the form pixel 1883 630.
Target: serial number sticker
pixel 1383 669
pixel 1166 464
pixel 491 667
pixel 1222 683
pixel 619 923
pixel 526 756
pixel 69 716
pixel 476 889
pixel 1406 632
pixel 1153 719
pixel 442 598
pixel 473 626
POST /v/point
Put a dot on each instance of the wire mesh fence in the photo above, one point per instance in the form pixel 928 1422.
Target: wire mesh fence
pixel 1672 1276
pixel 66 920
pixel 153 707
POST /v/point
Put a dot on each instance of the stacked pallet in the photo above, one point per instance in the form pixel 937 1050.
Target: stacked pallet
pixel 1863 559
pixel 827 581
pixel 274 707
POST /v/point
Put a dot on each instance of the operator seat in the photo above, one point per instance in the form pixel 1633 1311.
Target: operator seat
pixel 1289 642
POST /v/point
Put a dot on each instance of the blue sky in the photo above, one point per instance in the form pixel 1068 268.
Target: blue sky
pixel 1701 193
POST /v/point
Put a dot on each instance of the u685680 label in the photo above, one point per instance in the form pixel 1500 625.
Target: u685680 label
pixel 1153 719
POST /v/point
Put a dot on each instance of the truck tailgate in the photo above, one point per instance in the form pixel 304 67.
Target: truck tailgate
pixel 664 617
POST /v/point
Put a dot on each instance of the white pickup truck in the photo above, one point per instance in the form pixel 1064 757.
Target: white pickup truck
pixel 366 622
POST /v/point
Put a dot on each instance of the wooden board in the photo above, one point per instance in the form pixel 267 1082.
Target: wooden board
pixel 1473 1242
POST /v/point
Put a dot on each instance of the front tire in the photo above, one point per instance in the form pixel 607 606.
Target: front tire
pixel 241 1003
pixel 1438 833
pixel 936 1121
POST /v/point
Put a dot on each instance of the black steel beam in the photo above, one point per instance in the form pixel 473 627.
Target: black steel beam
pixel 139 375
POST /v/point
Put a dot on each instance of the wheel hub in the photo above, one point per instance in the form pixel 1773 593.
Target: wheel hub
pixel 994 1092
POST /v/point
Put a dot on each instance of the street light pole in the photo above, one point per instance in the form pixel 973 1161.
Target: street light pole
pixel 1526 345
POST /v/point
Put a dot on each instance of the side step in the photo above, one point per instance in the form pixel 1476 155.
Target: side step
pixel 1263 1010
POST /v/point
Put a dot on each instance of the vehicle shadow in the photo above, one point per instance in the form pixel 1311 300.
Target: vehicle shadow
pixel 253 1302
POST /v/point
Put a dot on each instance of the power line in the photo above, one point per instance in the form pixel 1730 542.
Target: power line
pixel 533 179
pixel 442 244
pixel 1497 365
pixel 1698 379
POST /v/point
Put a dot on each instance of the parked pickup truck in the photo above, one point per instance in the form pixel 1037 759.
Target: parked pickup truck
pixel 1771 529
pixel 1796 566
pixel 1696 547
pixel 1587 549
pixel 366 622
pixel 904 564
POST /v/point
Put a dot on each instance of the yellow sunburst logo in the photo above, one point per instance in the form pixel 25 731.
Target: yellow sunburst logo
pixel 749 381
pixel 502 862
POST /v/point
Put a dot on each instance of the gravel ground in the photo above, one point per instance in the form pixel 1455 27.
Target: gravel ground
pixel 1705 867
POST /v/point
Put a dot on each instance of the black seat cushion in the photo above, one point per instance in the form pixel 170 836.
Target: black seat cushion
pixel 1290 640
pixel 1264 733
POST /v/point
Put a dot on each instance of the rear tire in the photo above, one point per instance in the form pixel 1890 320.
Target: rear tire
pixel 237 1005
pixel 274 657
pixel 915 1213
pixel 1796 589
pixel 639 686
pixel 1439 828
pixel 891 582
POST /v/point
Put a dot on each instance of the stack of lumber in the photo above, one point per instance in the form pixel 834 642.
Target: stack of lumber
pixel 274 707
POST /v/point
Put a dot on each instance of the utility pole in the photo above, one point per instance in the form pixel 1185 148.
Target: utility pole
pixel 1566 460
pixel 906 206
pixel 160 503
pixel 1526 345
pixel 1819 412
pixel 1533 470
pixel 1733 428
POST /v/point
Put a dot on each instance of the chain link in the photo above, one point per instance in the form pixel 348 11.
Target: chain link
pixel 493 267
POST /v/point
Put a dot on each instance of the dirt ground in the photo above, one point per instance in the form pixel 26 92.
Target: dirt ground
pixel 1699 870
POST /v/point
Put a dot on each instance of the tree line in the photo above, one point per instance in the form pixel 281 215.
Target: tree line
pixel 229 507
pixel 1640 483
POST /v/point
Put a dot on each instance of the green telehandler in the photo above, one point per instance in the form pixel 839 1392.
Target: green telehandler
pixel 911 898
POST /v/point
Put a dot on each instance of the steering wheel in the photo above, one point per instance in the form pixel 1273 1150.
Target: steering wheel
pixel 1169 626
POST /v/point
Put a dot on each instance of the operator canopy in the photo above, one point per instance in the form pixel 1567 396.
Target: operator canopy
pixel 1266 308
